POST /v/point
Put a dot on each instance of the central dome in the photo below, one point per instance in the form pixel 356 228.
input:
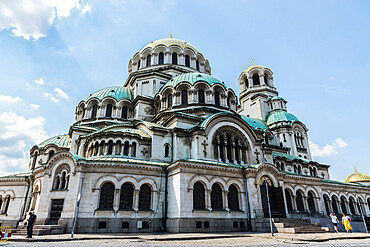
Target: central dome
pixel 358 177
pixel 170 42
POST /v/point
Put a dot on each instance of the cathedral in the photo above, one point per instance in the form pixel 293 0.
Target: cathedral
pixel 175 149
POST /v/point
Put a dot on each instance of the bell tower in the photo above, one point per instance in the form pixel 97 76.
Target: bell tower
pixel 257 87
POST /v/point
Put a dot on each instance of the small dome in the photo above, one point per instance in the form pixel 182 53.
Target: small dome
pixel 358 177
pixel 117 92
pixel 192 78
pixel 254 66
pixel 281 116
pixel 170 42
pixel 62 141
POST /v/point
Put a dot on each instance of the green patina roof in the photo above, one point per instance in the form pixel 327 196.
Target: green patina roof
pixel 122 129
pixel 62 141
pixel 293 157
pixel 170 42
pixel 255 123
pixel 281 116
pixel 18 175
pixel 117 92
pixel 275 98
pixel 192 78
pixel 126 160
pixel 344 183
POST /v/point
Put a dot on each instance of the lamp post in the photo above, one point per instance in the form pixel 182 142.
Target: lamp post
pixel 360 209
pixel 268 203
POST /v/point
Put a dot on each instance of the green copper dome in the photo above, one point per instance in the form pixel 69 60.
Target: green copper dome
pixel 281 116
pixel 170 42
pixel 117 92
pixel 193 78
pixel 62 141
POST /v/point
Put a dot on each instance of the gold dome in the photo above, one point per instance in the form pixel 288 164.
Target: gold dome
pixel 358 177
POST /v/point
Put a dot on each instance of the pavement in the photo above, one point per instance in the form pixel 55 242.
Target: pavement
pixel 308 238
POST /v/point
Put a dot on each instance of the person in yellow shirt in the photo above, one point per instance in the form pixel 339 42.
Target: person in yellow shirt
pixel 346 220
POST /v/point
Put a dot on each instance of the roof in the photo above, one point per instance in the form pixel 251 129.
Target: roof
pixel 255 123
pixel 281 116
pixel 293 157
pixel 120 128
pixel 117 92
pixel 170 42
pixel 340 182
pixel 193 78
pixel 253 67
pixel 62 141
pixel 18 175
pixel 358 177
pixel 276 98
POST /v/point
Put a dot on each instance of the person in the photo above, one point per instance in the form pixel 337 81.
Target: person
pixel 31 221
pixel 335 221
pixel 346 220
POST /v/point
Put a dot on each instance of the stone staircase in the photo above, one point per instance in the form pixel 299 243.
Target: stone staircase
pixel 286 225
pixel 40 230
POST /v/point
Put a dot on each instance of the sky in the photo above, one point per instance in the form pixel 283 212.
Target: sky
pixel 53 54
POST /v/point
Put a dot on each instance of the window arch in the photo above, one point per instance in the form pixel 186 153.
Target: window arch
pixel 256 80
pixel 246 82
pixel 187 61
pixel 266 78
pixel 110 147
pixel 61 178
pixel 217 98
pixel 169 100
pixel 51 154
pixel 106 196
pixel 161 58
pixel 174 58
pixel 124 112
pixel 166 150
pixel 184 97
pixel 133 149
pixel 148 60
pixel 368 203
pixel 216 197
pixel 94 111
pixel 126 196
pixel 145 197
pixel 299 200
pixel 6 206
pixel 108 113
pixel 299 170
pixel 138 64
pixel 352 205
pixel 199 201
pixel 126 147
pixel 201 96
pixel 233 198
pixel 311 202
pixel 326 202
pixel 197 64
pixel 288 198
pixel 334 204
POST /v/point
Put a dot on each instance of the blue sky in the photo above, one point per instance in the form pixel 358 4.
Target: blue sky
pixel 53 56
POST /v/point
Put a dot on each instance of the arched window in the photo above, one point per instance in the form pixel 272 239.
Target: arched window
pixel 94 111
pixel 368 203
pixel 124 112
pixel 199 201
pixel 246 83
pixel 166 150
pixel 169 101
pixel 334 205
pixel 174 58
pixel 352 206
pixel 184 97
pixel 133 149
pixel 300 170
pixel 51 153
pixel 288 198
pixel 106 196
pixel 187 61
pixel 61 178
pixel 201 98
pixel 34 160
pixel 118 147
pixel 229 148
pixel 282 167
pixel 197 64
pixel 138 64
pixel 299 200
pixel 233 198
pixel 266 78
pixel 145 197
pixel 161 58
pixel 148 60
pixel 217 98
pixel 108 113
pixel 102 148
pixel 311 202
pixel 125 148
pixel 236 149
pixel 326 202
pixel 295 169
pixel 256 80
pixel 343 205
pixel 1 201
pixel 126 197
pixel 222 149
pixel 216 197
pixel 6 206
pixel 110 147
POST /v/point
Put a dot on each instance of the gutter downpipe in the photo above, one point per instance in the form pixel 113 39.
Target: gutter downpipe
pixel 78 199
pixel 25 199
pixel 249 225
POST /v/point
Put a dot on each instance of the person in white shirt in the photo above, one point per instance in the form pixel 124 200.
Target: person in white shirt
pixel 335 221
pixel 346 220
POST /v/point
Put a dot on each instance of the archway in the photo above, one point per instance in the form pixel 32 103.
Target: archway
pixel 273 195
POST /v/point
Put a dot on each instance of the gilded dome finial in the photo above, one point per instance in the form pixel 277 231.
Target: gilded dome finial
pixel 171 36
pixel 252 62
pixel 356 170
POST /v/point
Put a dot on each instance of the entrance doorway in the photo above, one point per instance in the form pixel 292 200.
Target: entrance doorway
pixel 275 196
pixel 56 211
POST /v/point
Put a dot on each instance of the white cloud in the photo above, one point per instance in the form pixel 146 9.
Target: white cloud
pixel 40 81
pixel 35 106
pixel 51 97
pixel 19 134
pixel 7 99
pixel 327 150
pixel 28 85
pixel 332 78
pixel 61 93
pixel 32 18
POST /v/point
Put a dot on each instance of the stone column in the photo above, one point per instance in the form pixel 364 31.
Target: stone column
pixel 225 201
pixel 167 57
pixel 262 80
pixel 294 202
pixel 154 60
pixel 135 205
pixel 193 63
pixel 250 82
pixel 208 199
pixel 116 199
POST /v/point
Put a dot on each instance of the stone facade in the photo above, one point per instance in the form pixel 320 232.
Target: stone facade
pixel 175 150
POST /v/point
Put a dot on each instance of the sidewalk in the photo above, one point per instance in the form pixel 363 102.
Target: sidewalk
pixel 320 237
